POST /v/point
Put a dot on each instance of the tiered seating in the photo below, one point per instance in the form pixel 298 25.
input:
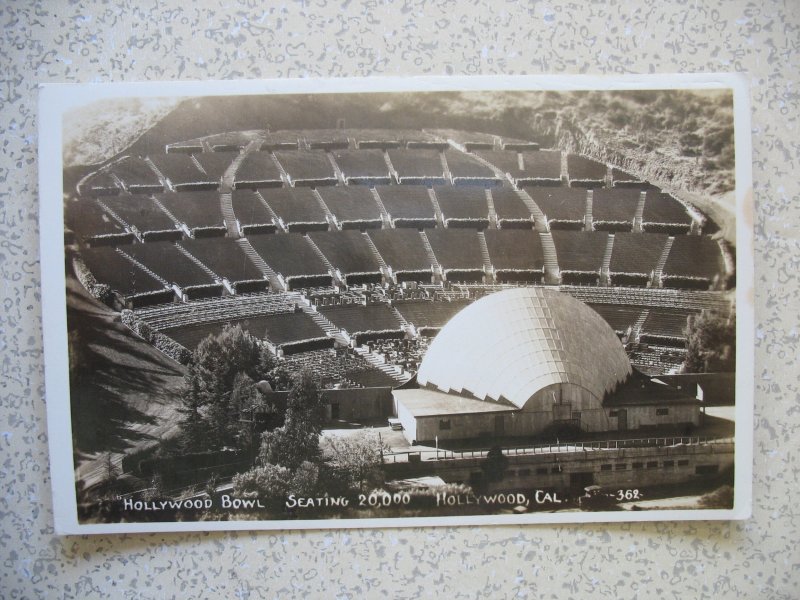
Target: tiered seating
pixel 407 205
pixel 169 263
pixel 515 145
pixel 665 327
pixel 662 212
pixel 359 319
pixel 463 206
pixel 620 178
pixel 580 255
pixel 294 332
pixel 585 172
pixel 136 176
pixel 335 366
pixel 564 208
pixel 657 360
pixel 325 139
pixel 695 261
pixel 258 170
pixel 251 212
pixel 466 169
pixel 377 138
pixel 404 353
pixel 417 166
pixel 226 258
pixel 218 310
pixel 685 299
pixel 306 167
pixel 621 318
pixel 352 206
pixel 470 140
pixel 614 209
pixel 93 225
pixel 181 172
pixel 403 252
pixel 542 167
pixel 429 315
pixel 507 162
pixel 280 140
pixel 215 163
pixel 111 268
pixel 515 254
pixel 635 257
pixel 458 252
pixel 101 183
pixel 143 216
pixel 200 212
pixel 186 147
pixel 362 166
pixel 292 258
pixel 231 141
pixel 349 253
pixel 297 208
pixel 385 139
pixel 511 211
pixel 330 296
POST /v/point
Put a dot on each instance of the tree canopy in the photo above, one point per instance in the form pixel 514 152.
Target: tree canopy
pixel 710 344
pixel 297 440
pixel 219 385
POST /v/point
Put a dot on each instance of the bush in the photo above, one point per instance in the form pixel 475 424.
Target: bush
pixel 99 291
pixel 171 348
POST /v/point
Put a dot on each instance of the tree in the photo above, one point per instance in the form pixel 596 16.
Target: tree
pixel 305 405
pixel 297 440
pixel 218 359
pixel 215 392
pixel 710 343
pixel 193 426
pixel 273 483
pixel 280 378
pixel 267 482
pixel 358 458
pixel 245 398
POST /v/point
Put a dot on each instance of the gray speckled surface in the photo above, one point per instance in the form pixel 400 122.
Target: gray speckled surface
pixel 119 40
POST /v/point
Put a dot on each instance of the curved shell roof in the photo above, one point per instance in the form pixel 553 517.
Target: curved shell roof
pixel 511 344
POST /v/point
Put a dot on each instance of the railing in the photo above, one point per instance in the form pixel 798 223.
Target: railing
pixel 554 448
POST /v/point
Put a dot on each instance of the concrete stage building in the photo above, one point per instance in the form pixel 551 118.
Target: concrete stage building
pixel 520 361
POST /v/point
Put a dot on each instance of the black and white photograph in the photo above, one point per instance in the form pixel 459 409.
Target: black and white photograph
pixel 411 302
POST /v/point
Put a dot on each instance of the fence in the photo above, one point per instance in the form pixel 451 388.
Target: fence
pixel 556 448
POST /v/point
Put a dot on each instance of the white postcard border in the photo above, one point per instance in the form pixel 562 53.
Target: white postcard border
pixel 56 99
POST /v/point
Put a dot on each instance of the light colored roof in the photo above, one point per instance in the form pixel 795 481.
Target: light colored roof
pixel 427 403
pixel 511 344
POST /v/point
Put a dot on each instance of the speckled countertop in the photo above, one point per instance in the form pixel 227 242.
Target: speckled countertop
pixel 114 40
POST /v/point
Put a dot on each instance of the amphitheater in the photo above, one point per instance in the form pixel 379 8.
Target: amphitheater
pixel 347 251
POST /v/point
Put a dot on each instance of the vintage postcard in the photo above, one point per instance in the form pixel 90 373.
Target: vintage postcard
pixel 397 301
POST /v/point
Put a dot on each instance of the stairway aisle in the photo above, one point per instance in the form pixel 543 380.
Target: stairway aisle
pixel 259 263
pixel 605 268
pixel 385 218
pixel 659 270
pixel 226 190
pixel 540 221
pixel 488 269
pixel 637 217
pixel 552 274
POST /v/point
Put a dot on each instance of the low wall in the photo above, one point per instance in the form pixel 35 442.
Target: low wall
pixel 620 467
pixel 351 403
